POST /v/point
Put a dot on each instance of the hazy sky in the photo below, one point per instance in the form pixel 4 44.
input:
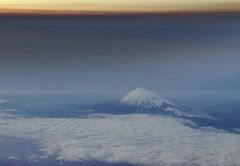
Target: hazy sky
pixel 169 52
pixel 121 6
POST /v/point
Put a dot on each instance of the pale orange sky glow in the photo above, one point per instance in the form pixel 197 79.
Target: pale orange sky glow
pixel 81 6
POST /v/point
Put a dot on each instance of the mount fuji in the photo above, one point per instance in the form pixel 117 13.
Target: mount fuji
pixel 146 101
pixel 142 100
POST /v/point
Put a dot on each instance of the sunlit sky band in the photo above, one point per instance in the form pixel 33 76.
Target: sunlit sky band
pixel 112 6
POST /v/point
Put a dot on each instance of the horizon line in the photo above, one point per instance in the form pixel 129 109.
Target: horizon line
pixel 42 12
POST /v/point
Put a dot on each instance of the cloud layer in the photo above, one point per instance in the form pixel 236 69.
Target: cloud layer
pixel 135 139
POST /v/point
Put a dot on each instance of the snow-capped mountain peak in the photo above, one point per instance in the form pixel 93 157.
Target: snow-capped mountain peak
pixel 145 100
pixel 143 97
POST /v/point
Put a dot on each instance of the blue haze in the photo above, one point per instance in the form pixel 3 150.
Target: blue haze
pixel 187 53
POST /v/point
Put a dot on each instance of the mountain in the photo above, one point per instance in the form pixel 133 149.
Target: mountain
pixel 137 101
pixel 142 100
pixel 146 101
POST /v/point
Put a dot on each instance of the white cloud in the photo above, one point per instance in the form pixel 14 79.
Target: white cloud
pixel 12 158
pixel 2 110
pixel 4 101
pixel 5 115
pixel 136 139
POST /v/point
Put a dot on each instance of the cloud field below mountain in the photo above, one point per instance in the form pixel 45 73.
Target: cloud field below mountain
pixel 136 139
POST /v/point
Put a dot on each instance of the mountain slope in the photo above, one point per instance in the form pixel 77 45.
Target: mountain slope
pixel 142 100
pixel 143 97
pixel 146 101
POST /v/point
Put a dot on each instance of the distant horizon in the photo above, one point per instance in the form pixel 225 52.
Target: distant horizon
pixel 46 7
pixel 13 12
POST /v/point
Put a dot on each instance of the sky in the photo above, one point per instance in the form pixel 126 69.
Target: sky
pixel 98 53
pixel 48 6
